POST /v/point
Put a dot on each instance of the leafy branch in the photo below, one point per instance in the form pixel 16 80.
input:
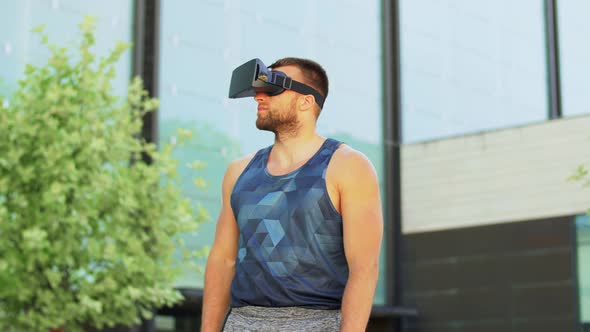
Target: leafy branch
pixel 89 230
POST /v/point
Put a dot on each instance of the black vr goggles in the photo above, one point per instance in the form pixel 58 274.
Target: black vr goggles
pixel 253 77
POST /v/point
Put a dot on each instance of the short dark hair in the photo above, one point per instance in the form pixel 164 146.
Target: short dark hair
pixel 315 76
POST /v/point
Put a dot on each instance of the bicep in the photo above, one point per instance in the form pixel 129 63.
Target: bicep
pixel 226 235
pixel 226 232
pixel 362 215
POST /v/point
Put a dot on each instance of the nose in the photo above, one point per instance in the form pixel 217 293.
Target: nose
pixel 260 97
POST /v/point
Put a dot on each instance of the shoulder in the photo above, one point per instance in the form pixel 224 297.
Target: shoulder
pixel 240 163
pixel 237 166
pixel 235 169
pixel 350 161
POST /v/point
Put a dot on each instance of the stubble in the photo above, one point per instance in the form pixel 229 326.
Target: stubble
pixel 280 122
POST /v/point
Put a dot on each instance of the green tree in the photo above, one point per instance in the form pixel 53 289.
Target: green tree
pixel 89 230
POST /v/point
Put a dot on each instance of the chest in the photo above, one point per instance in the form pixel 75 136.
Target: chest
pixel 303 197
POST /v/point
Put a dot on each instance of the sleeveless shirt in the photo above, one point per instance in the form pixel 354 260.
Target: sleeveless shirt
pixel 290 250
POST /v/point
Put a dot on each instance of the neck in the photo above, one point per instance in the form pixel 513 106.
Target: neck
pixel 290 149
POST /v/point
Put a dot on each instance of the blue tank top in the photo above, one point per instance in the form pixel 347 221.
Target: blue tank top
pixel 290 250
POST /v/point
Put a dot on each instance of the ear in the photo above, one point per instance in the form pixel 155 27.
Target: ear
pixel 306 102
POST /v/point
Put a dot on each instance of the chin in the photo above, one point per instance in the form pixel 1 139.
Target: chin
pixel 262 126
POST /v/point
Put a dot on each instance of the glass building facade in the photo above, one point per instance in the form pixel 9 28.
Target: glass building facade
pixel 202 42
pixel 583 260
pixel 466 66
pixel 574 52
pixel 470 66
pixel 19 46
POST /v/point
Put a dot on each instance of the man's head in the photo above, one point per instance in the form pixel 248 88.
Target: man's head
pixel 312 74
pixel 289 110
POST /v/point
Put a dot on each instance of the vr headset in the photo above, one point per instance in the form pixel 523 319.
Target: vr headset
pixel 253 77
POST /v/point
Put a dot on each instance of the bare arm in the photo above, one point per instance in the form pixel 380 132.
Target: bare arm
pixel 363 230
pixel 220 263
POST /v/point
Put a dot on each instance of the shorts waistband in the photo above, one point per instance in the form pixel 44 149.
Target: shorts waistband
pixel 283 312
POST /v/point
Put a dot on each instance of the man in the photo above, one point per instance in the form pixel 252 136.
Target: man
pixel 299 233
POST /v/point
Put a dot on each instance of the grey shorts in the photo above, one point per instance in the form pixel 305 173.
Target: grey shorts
pixel 286 319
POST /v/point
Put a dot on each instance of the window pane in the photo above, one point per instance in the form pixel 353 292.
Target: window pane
pixel 18 46
pixel 574 52
pixel 469 66
pixel 202 42
pixel 583 238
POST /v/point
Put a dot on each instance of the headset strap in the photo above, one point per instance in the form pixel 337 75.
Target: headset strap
pixel 288 83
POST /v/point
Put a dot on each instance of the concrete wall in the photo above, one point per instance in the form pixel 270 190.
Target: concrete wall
pixel 494 177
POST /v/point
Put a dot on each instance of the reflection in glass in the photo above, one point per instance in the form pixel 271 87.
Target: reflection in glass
pixel 574 52
pixel 468 66
pixel 583 239
pixel 202 42
pixel 19 46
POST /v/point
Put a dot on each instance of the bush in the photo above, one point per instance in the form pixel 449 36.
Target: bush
pixel 89 229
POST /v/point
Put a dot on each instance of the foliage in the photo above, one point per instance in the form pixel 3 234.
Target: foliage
pixel 89 230
pixel 582 174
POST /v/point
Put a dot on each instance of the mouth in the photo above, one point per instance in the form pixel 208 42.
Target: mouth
pixel 262 109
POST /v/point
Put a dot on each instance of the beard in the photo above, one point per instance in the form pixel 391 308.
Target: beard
pixel 279 122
